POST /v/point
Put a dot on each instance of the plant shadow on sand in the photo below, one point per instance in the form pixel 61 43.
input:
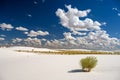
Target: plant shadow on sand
pixel 76 71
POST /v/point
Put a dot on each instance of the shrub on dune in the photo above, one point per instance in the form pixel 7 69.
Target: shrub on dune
pixel 88 63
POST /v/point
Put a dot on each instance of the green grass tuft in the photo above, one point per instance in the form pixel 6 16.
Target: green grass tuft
pixel 88 63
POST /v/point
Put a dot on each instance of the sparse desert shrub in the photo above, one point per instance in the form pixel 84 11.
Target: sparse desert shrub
pixel 88 63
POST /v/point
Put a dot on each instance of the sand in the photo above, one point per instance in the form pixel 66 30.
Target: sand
pixel 29 66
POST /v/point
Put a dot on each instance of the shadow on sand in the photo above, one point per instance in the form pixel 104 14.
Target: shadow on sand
pixel 76 71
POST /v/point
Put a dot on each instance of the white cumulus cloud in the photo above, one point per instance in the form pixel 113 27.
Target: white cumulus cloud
pixel 21 28
pixel 29 15
pixel 83 33
pixel 16 40
pixel 104 23
pixel 93 37
pixel 71 20
pixel 5 26
pixel 33 33
pixel 68 36
pixel 115 9
pixel 2 39
pixel 32 42
pixel 3 35
pixel 118 14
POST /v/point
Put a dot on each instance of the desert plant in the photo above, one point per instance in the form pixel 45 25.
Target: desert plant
pixel 88 63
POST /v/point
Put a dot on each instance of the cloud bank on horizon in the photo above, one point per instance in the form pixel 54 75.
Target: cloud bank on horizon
pixel 83 32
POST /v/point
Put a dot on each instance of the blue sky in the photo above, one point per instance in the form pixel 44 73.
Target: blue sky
pixel 39 23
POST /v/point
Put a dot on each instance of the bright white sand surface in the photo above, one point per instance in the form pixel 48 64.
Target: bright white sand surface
pixel 28 66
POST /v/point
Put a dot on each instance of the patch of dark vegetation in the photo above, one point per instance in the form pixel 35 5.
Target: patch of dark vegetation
pixel 67 52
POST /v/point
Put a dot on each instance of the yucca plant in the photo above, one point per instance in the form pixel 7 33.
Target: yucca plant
pixel 88 63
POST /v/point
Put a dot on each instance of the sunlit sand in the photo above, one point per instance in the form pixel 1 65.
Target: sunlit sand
pixel 28 66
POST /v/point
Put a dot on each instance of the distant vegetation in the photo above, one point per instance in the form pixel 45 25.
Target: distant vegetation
pixel 69 52
pixel 88 63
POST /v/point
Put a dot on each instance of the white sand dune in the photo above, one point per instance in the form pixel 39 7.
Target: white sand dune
pixel 31 48
pixel 28 66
